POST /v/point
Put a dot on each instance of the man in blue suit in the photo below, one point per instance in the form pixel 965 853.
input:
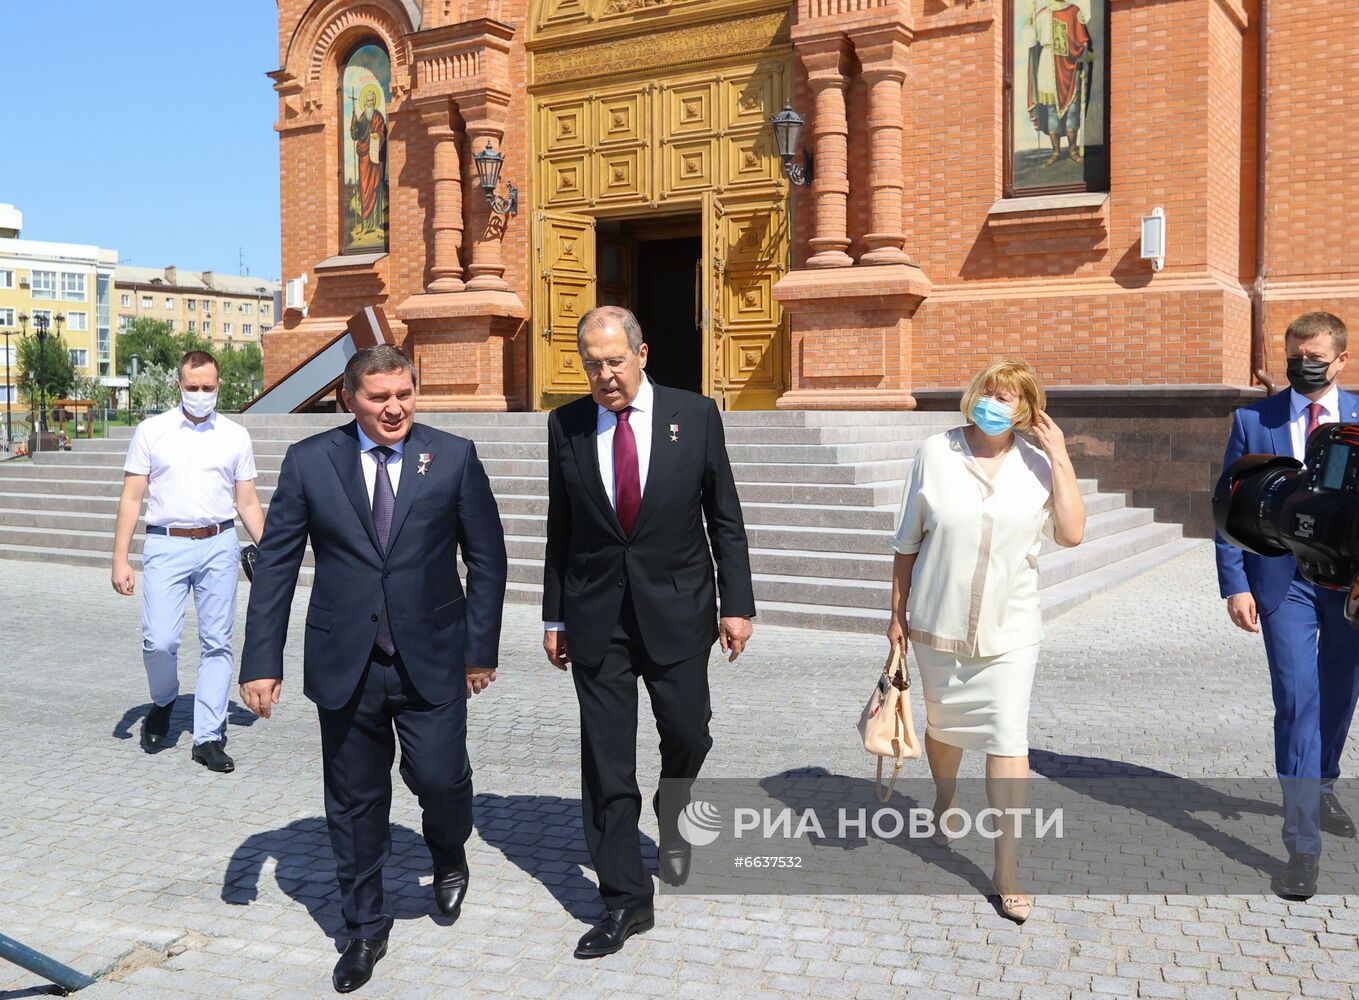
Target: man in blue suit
pixel 391 639
pixel 1313 652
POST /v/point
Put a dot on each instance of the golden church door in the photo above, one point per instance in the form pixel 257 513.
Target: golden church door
pixel 564 291
pixel 744 254
pixel 662 120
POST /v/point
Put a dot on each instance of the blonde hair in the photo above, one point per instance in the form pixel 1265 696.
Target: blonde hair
pixel 1011 376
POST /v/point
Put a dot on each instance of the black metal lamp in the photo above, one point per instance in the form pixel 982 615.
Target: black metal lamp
pixel 489 161
pixel 787 131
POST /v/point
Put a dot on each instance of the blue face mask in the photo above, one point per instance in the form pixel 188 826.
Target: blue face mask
pixel 993 417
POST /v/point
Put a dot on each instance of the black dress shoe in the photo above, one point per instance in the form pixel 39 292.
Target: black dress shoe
pixel 672 860
pixel 157 726
pixel 450 888
pixel 1298 880
pixel 213 756
pixel 355 966
pixel 1334 819
pixel 607 936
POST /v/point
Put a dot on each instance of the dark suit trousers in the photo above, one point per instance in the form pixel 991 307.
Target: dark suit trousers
pixel 610 800
pixel 357 749
pixel 1314 677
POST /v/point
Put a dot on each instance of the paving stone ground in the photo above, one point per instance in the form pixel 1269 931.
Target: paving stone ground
pixel 109 856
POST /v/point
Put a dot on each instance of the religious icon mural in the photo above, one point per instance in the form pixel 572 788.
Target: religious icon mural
pixel 365 88
pixel 1059 98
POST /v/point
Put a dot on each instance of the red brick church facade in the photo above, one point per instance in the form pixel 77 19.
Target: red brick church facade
pixel 637 134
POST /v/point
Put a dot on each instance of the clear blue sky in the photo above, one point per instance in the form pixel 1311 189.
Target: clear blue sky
pixel 146 126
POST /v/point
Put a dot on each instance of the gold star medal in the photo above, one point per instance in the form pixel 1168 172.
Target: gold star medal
pixel 424 459
pixel 674 433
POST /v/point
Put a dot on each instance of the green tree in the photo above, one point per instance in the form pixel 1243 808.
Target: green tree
pixel 156 386
pixel 154 344
pixel 48 366
pixel 241 368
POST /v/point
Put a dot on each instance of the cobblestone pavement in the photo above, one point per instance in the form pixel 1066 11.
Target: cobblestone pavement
pixel 110 858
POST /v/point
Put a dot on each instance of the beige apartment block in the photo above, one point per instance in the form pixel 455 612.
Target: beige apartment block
pixel 226 309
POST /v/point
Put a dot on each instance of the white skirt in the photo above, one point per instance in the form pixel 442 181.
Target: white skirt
pixel 978 702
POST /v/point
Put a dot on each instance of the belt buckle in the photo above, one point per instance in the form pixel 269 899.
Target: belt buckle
pixel 200 533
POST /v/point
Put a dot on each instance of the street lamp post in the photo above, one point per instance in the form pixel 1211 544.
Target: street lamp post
pixel 40 322
pixel 133 366
pixel 23 334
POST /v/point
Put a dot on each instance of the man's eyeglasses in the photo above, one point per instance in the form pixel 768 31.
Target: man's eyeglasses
pixel 593 368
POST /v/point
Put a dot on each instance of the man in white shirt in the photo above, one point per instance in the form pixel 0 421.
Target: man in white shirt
pixel 197 469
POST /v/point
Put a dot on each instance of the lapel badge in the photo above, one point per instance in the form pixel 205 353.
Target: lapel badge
pixel 425 458
pixel 674 433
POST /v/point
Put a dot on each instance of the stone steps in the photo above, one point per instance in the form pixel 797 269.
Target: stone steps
pixel 820 490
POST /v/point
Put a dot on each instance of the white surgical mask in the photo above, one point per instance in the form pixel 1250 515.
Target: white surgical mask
pixel 199 404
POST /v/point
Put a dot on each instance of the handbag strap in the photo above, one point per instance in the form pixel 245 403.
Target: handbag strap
pixel 895 669
pixel 882 792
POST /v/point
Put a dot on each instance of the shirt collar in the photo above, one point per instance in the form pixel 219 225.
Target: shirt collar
pixel 644 401
pixel 1330 403
pixel 210 423
pixel 367 444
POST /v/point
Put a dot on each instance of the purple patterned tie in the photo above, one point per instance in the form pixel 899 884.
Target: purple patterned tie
pixel 384 502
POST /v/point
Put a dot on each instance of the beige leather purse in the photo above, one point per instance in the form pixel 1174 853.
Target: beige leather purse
pixel 886 725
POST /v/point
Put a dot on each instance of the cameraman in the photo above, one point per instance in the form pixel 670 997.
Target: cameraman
pixel 1313 653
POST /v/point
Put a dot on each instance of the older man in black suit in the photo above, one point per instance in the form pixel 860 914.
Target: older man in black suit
pixel 392 641
pixel 634 470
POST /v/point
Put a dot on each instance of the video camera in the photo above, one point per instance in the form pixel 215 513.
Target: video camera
pixel 1272 506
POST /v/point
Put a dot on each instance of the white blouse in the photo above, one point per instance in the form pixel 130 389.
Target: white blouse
pixel 974 588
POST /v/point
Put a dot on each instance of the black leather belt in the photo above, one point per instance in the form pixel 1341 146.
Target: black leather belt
pixel 206 532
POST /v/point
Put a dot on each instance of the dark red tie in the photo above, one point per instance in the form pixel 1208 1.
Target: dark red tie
pixel 627 483
pixel 1313 418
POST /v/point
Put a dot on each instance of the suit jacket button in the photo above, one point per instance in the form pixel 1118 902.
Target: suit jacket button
pixel 621 582
pixel 386 576
pixel 373 617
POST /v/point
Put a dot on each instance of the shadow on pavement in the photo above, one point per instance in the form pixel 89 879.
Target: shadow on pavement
pixel 542 835
pixel 305 871
pixel 181 721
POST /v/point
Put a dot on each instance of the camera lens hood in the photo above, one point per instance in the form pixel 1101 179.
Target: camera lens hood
pixel 1247 497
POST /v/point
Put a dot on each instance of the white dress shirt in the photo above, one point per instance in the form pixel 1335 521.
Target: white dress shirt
pixel 368 462
pixel 606 422
pixel 191 469
pixel 1297 423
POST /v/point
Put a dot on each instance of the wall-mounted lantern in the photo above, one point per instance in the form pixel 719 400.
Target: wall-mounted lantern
pixel 489 161
pixel 787 131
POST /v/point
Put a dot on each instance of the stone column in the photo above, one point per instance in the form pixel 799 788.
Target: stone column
pixel 446 270
pixel 825 63
pixel 484 115
pixel 882 56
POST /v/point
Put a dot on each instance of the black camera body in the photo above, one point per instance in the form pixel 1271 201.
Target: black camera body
pixel 1272 506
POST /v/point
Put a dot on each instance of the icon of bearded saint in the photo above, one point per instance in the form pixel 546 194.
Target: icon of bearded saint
pixel 1058 71
pixel 368 130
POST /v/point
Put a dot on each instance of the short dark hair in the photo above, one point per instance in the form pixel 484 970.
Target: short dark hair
pixel 376 361
pixel 1314 324
pixel 197 359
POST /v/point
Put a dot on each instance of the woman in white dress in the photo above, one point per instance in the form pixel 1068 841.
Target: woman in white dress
pixel 965 589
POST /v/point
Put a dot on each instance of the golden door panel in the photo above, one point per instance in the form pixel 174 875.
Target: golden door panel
pixel 690 109
pixel 750 159
pixel 620 118
pixel 689 165
pixel 748 299
pixel 565 179
pixel 564 291
pixel 753 358
pixel 755 233
pixel 566 126
pixel 623 175
pixel 750 100
pixel 560 13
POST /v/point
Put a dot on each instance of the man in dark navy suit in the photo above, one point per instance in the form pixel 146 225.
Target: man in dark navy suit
pixel 635 471
pixel 1313 653
pixel 391 638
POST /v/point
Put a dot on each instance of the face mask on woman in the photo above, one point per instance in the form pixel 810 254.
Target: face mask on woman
pixel 992 416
